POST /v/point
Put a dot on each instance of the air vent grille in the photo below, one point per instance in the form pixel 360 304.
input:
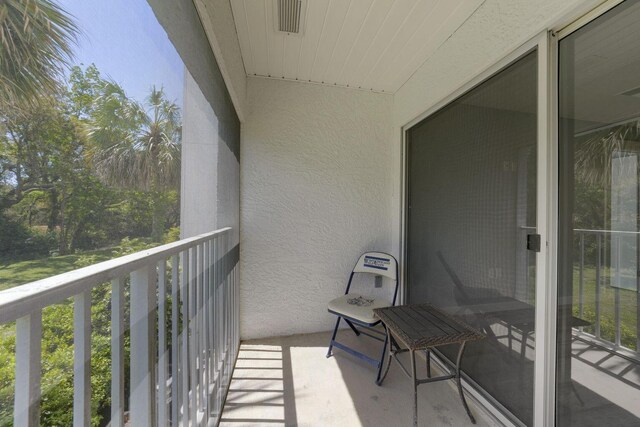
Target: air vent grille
pixel 289 15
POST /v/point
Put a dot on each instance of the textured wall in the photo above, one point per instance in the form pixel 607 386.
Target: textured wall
pixel 315 193
pixel 494 30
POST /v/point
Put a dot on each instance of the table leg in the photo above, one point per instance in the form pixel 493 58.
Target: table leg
pixel 523 347
pixel 384 347
pixel 415 388
pixel 386 371
pixel 428 363
pixel 459 382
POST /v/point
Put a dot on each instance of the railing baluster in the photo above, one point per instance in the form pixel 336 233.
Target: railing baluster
pixel 226 311
pixel 201 334
pixel 216 329
pixel 117 353
pixel 184 293
pixel 581 283
pixel 218 309
pixel 617 290
pixel 193 368
pixel 142 346
pixel 162 344
pixel 26 409
pixel 175 347
pixel 598 277
pixel 82 359
pixel 209 323
pixel 205 330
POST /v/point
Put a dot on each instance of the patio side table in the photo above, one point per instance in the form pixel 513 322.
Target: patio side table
pixel 421 327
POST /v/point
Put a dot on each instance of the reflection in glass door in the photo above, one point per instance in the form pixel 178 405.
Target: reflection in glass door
pixel 471 204
pixel 598 358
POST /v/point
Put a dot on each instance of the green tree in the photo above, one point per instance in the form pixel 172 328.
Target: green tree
pixel 36 42
pixel 44 155
pixel 137 146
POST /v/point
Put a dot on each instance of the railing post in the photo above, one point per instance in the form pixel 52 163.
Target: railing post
pixel 82 359
pixel 117 353
pixel 162 344
pixel 142 346
pixel 26 409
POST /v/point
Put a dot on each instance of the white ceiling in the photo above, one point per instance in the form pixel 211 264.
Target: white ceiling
pixel 367 44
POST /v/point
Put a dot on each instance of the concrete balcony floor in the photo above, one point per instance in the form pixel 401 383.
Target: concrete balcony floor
pixel 288 381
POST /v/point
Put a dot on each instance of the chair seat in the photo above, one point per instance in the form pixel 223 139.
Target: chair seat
pixel 358 307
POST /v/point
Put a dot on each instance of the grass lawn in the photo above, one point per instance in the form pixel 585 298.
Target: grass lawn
pixel 628 306
pixel 14 273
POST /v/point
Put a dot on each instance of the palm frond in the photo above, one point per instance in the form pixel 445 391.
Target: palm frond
pixel 36 44
pixel 595 154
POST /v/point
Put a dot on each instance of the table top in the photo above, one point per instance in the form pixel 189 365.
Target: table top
pixel 420 326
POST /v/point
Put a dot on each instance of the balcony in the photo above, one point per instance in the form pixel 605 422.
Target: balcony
pixel 491 146
pixel 196 371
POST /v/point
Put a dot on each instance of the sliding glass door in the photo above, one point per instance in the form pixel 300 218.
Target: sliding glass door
pixel 598 359
pixel 471 205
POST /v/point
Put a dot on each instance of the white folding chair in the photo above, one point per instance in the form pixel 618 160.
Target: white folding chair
pixel 357 309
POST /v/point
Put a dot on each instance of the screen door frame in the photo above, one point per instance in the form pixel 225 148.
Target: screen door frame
pixel 547 190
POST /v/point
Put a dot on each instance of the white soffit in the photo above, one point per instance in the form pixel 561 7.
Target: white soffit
pixel 366 44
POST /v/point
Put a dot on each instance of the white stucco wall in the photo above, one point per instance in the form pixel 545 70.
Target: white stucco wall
pixel 315 191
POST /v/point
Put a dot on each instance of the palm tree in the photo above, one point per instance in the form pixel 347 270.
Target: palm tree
pixel 138 146
pixel 594 154
pixel 36 40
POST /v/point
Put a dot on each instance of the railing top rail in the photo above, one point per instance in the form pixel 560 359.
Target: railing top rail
pixel 22 300
pixel 592 231
pixel 584 230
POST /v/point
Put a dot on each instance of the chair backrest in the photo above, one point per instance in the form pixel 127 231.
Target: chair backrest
pixel 378 263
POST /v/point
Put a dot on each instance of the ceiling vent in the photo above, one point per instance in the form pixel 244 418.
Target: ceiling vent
pixel 289 14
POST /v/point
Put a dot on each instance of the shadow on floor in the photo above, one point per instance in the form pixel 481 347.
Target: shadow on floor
pixel 288 381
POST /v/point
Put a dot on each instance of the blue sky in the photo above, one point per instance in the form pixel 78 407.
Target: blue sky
pixel 126 42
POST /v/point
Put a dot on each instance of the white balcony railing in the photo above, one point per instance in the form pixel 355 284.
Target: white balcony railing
pixel 614 277
pixel 180 368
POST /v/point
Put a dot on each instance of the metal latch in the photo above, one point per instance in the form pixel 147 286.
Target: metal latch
pixel 533 242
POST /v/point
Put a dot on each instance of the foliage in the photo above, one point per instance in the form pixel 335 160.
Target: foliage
pixel 138 146
pixel 36 41
pixel 57 342
pixel 171 235
pixel 86 174
pixel 14 236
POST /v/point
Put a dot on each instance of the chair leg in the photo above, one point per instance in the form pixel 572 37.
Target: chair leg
pixel 384 349
pixel 353 328
pixel 333 337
